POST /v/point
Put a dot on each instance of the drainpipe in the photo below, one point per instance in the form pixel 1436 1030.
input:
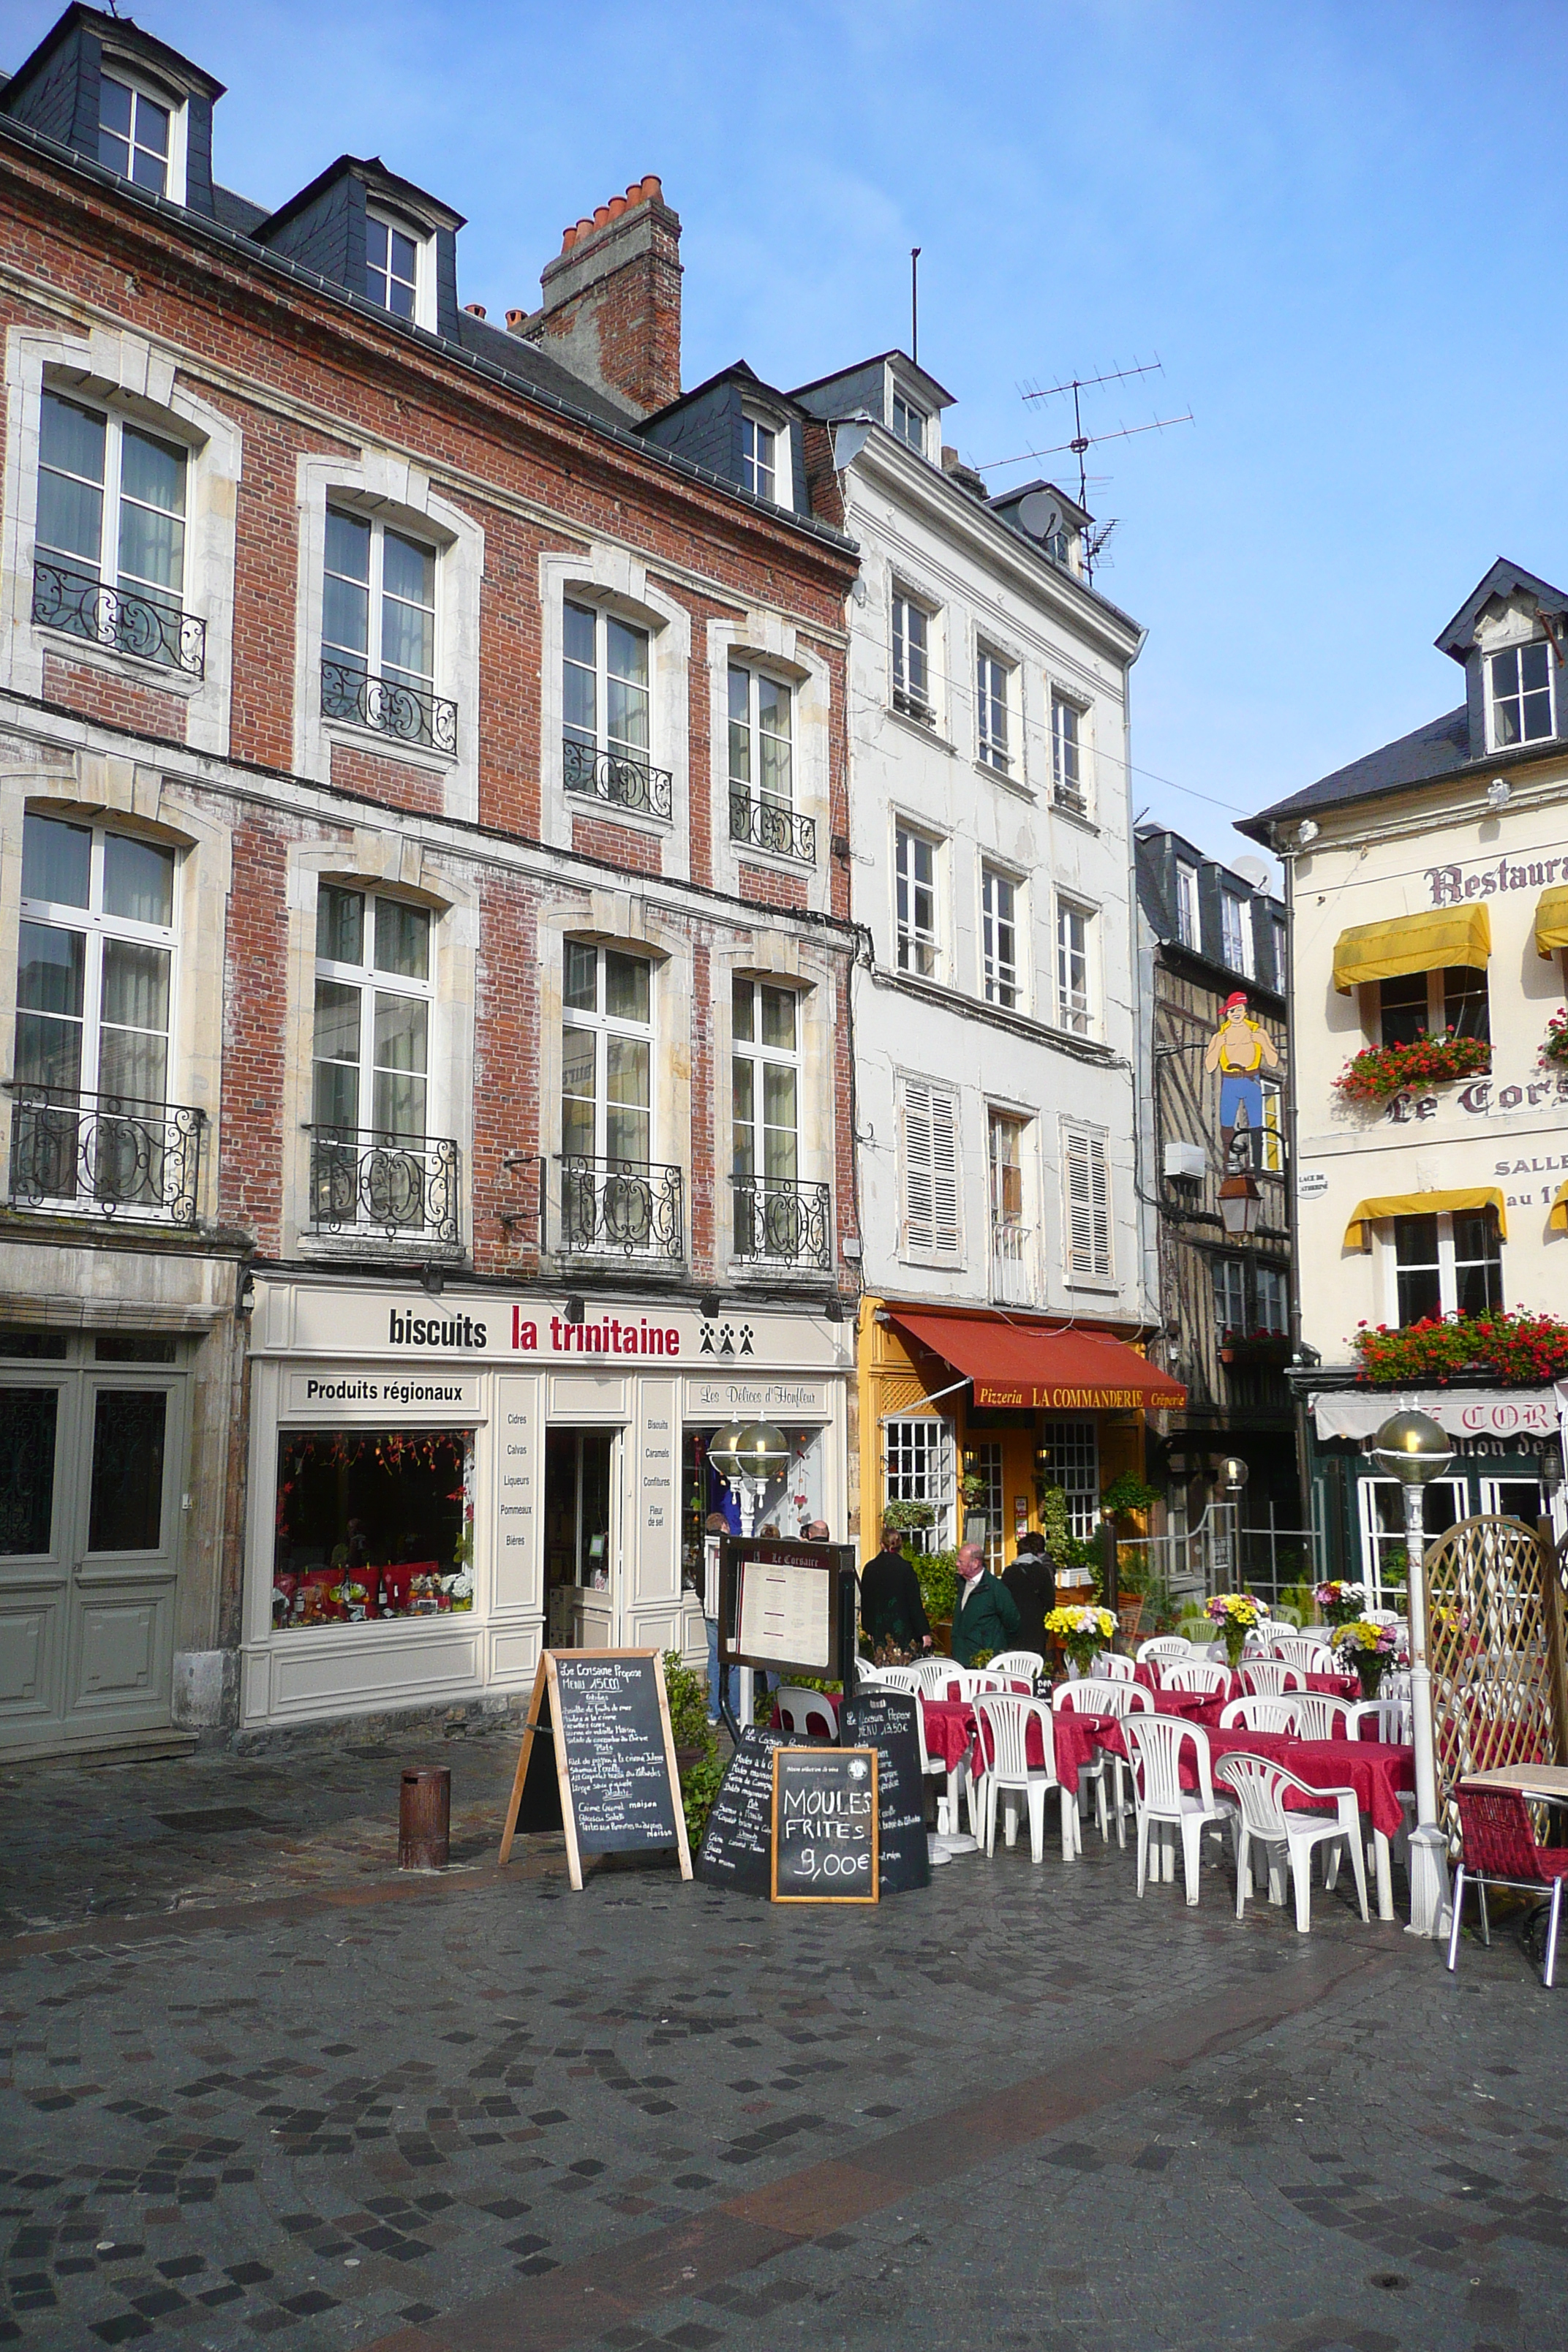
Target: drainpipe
pixel 1293 1216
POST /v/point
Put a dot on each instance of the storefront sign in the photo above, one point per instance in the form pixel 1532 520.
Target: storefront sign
pixel 352 1396
pixel 1311 1184
pixel 1036 1398
pixel 1451 885
pixel 742 1400
pixel 1481 1097
pixel 304 1317
pixel 517 1498
pixel 1462 1412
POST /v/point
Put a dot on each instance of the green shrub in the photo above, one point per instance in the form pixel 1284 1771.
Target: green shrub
pixel 698 1787
pixel 687 1691
pixel 938 1574
pixel 1128 1493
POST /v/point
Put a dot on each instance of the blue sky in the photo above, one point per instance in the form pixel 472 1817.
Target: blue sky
pixel 1335 223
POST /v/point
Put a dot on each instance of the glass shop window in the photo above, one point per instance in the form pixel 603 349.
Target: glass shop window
pixel 372 1522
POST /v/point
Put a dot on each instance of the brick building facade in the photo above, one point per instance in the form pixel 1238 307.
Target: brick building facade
pixel 409 1038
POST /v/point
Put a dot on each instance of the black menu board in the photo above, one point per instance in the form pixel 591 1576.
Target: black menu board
pixel 607 1717
pixel 737 1844
pixel 825 1825
pixel 884 1719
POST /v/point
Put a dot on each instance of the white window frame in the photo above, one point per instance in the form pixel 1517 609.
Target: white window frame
pixel 610 1025
pixel 111 490
pixel 1069 753
pixel 1436 999
pixel 918 1462
pixel 751 784
pixel 778 487
pixel 917 946
pixel 374 654
pixel 602 615
pixel 913 702
pixel 1229 1278
pixel 992 702
pixel 932 1169
pixel 904 412
pixel 1375 1538
pixel 1189 917
pixel 1075 1452
pixel 371 981
pixel 1089 1236
pixel 1001 971
pixel 97 926
pixel 141 86
pixel 424 245
pixel 761 1056
pixel 1075 967
pixel 1273 1294
pixel 1448 1267
pixel 1496 739
pixel 1235 901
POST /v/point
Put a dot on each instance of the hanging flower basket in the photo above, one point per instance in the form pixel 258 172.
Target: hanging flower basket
pixel 1378 1072
pixel 1554 1044
pixel 1259 1347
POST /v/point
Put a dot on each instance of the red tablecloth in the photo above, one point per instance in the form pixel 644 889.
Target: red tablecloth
pixel 950 1727
pixel 1331 1686
pixel 1377 1771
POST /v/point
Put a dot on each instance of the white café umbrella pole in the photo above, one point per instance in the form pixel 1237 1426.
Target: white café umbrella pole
pixel 1414 1449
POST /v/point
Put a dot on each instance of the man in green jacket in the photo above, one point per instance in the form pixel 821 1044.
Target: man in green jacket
pixel 985 1618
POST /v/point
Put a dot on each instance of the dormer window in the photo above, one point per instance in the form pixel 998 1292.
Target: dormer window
pixel 391 260
pixel 759 449
pixel 138 136
pixel 1521 694
pixel 910 422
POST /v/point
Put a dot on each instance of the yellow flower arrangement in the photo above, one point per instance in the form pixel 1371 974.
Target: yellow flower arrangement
pixel 1081 1628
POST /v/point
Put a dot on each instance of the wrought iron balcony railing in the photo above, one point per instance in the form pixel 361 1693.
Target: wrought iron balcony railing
pixel 408 1186
pixel 100 613
pixel 611 776
pixel 409 714
pixel 1012 1262
pixel 912 703
pixel 780 1222
pixel 767 825
pixel 97 1155
pixel 635 1206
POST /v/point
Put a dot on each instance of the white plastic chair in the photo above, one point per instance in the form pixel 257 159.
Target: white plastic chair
pixel 1318 1716
pixel 1016 1662
pixel 875 1675
pixel 805 1713
pixel 932 1767
pixel 1111 1666
pixel 1259 1714
pixel 1010 1774
pixel 1258 1786
pixel 1164 1646
pixel 1204 1679
pixel 978 1680
pixel 1267 1678
pixel 1304 1650
pixel 935 1673
pixel 1154 1744
pixel 899 1679
pixel 1392 1716
pixel 1089 1697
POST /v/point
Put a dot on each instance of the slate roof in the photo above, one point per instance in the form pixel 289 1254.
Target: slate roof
pixel 1441 748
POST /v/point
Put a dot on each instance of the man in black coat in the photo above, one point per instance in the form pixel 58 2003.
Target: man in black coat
pixel 1031 1578
pixel 891 1610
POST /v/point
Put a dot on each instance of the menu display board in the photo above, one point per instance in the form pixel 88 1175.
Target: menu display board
pixel 737 1844
pixel 825 1831
pixel 618 1785
pixel 780 1603
pixel 884 1719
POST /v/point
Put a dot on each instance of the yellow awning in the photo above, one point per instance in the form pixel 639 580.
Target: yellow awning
pixel 1424 942
pixel 1558 1214
pixel 1552 920
pixel 1364 1215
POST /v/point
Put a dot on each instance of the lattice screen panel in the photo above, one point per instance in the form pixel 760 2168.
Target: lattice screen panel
pixel 1489 1642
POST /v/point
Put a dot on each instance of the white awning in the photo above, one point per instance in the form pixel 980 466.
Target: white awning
pixel 1462 1412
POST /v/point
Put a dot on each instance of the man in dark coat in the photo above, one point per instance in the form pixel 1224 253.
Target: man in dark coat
pixel 891 1610
pixel 1031 1578
pixel 984 1619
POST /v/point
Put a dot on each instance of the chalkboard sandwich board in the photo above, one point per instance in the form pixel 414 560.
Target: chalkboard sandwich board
pixel 884 1719
pixel 737 1842
pixel 608 1776
pixel 825 1832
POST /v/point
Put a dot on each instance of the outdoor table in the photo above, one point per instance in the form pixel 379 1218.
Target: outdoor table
pixel 1331 1686
pixel 1377 1771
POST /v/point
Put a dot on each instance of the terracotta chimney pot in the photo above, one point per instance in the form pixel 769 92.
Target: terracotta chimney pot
pixel 601 215
pixel 616 206
pixel 652 187
pixel 514 319
pixel 568 237
pixel 475 310
pixel 634 193
pixel 585 228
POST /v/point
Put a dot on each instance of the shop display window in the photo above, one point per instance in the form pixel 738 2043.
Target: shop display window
pixel 372 1522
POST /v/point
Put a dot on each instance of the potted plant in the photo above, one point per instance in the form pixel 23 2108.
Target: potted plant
pixel 1520 1350
pixel 1236 1614
pixel 1338 1602
pixel 1554 1044
pixel 909 1518
pixel 937 1575
pixel 696 1741
pixel 1369 1649
pixel 1378 1072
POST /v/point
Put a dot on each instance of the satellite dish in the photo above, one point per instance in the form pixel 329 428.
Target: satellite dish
pixel 1253 872
pixel 1040 515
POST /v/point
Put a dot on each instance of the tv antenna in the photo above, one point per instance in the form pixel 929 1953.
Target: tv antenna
pixel 1083 442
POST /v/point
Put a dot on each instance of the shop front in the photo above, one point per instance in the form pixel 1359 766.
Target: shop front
pixel 970 1416
pixel 1508 1461
pixel 439 1486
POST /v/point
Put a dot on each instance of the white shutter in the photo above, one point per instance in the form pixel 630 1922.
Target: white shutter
pixel 931 1170
pixel 1088 1173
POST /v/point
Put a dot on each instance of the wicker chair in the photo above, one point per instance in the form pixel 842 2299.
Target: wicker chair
pixel 1499 1850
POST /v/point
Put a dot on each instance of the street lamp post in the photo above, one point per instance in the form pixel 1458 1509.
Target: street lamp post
pixel 1412 1447
pixel 1232 1478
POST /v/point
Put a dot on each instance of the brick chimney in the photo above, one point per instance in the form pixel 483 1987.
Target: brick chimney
pixel 611 311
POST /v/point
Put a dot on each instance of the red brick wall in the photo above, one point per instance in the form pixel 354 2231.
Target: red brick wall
pixel 617 844
pixel 396 782
pixel 256 1005
pixel 763 887
pixel 118 701
pixel 506 1085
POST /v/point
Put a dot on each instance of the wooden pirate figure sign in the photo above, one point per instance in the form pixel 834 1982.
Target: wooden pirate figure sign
pixel 1238 1050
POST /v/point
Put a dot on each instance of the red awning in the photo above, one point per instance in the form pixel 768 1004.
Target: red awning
pixel 1078 1370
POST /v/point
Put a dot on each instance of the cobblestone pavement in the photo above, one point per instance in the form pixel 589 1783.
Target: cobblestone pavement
pixel 256 2086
